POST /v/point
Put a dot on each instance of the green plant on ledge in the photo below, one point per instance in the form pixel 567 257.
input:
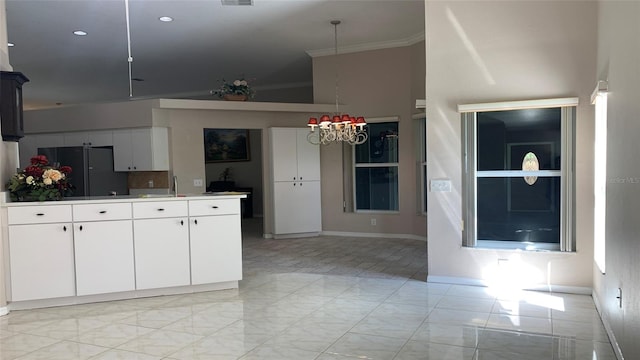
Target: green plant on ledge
pixel 237 87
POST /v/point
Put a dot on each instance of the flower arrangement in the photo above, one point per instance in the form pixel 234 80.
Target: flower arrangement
pixel 237 87
pixel 40 182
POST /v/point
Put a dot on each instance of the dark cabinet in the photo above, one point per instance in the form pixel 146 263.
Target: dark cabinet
pixel 11 105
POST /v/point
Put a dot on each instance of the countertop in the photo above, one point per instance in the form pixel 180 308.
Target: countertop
pixel 132 198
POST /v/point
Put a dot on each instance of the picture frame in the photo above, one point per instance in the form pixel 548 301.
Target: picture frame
pixel 226 145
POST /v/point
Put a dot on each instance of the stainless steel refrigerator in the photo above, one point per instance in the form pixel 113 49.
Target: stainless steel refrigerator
pixel 92 167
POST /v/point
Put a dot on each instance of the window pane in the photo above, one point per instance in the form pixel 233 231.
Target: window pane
pixel 382 145
pixel 511 210
pixel 505 137
pixel 377 188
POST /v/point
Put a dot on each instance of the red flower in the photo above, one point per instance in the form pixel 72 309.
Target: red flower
pixel 65 170
pixel 39 160
pixel 33 170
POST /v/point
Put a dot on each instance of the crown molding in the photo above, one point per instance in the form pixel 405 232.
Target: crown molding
pixel 408 41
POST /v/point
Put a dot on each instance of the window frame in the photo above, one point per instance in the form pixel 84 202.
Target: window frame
pixel 420 126
pixel 567 181
pixel 355 165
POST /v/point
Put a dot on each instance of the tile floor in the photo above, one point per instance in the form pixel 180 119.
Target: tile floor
pixel 326 298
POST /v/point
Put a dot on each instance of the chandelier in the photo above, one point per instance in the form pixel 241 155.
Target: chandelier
pixel 337 127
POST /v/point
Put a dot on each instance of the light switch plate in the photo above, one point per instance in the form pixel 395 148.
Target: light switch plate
pixel 440 185
pixel 198 182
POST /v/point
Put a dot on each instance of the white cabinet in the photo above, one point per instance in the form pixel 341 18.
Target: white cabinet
pixel 297 207
pixel 91 138
pixel 103 242
pixel 141 149
pixel 296 182
pixel 161 245
pixel 216 241
pixel 104 257
pixel 294 158
pixel 41 252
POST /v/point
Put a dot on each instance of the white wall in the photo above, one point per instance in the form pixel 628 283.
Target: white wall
pixel 8 150
pixel 491 51
pixel 619 63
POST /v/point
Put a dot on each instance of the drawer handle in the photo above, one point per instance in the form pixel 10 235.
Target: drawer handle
pixel 195 221
pixel 160 209
pixel 64 228
pixel 214 207
pixel 40 214
pixel 103 211
pixel 181 222
pixel 80 227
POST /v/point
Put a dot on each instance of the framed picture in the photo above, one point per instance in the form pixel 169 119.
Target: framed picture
pixel 225 145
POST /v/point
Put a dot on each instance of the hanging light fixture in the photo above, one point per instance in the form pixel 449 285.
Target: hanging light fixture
pixel 337 127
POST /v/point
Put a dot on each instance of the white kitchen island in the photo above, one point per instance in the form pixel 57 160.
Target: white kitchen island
pixel 100 249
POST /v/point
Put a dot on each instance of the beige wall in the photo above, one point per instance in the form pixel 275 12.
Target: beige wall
pixel 244 173
pixel 374 84
pixel 187 154
pixel 618 62
pixel 91 117
pixel 498 51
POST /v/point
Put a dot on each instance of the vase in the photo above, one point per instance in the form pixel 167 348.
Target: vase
pixel 234 97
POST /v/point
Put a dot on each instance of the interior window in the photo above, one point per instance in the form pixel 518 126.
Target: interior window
pixel 518 190
pixel 376 169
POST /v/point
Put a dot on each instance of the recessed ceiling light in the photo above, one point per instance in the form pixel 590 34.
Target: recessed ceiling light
pixel 165 18
pixel 10 44
pixel 79 33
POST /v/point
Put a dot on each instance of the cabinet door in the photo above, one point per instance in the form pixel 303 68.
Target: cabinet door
pixel 41 261
pixel 77 138
pixel 216 249
pixel 161 252
pixel 122 150
pixel 104 257
pixel 142 152
pixel 308 159
pixel 297 207
pixel 283 154
pixel 100 138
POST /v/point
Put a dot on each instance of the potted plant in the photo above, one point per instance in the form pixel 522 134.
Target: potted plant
pixel 40 181
pixel 238 90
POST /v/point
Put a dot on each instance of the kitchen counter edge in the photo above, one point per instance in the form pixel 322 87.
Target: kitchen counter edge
pixel 125 198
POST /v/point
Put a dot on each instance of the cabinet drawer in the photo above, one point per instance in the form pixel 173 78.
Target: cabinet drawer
pixel 214 207
pixel 41 214
pixel 159 209
pixel 99 212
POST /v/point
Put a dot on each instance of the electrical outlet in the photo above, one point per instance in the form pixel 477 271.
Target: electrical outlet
pixel 440 185
pixel 373 222
pixel 198 182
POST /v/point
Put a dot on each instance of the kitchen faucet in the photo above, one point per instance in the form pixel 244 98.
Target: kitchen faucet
pixel 175 185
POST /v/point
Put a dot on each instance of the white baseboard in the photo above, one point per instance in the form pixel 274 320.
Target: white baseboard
pixel 135 294
pixel 607 326
pixel 4 310
pixel 374 235
pixel 541 287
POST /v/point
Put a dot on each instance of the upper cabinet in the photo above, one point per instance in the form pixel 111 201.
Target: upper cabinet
pixel 294 158
pixel 145 149
pixel 90 138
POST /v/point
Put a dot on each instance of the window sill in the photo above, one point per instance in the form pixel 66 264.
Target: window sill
pixel 516 245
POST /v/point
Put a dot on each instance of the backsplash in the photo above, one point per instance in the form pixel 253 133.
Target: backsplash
pixel 148 180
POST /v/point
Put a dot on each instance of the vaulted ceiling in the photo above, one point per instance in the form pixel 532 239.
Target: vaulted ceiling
pixel 207 41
